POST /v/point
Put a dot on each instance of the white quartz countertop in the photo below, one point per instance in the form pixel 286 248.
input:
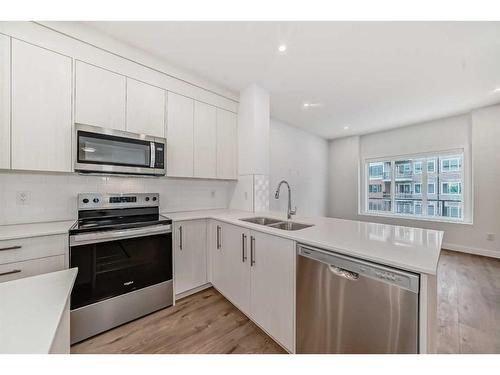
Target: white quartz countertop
pixel 11 232
pixel 31 309
pixel 412 249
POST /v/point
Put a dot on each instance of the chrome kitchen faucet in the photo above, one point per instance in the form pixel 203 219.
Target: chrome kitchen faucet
pixel 289 211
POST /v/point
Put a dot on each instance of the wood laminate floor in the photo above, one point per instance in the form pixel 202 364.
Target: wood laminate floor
pixel 204 322
pixel 468 304
pixel 468 319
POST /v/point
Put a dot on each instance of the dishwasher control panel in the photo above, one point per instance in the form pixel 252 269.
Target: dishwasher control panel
pixel 343 265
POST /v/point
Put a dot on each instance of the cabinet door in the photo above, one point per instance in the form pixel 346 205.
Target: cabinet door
pixel 231 270
pixel 227 144
pixel 145 109
pixel 190 255
pixel 219 259
pixel 41 109
pixel 180 135
pixel 273 286
pixel 100 97
pixel 205 140
pixel 32 267
pixel 4 102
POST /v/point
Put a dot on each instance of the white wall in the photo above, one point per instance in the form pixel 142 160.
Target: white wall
pixel 52 197
pixel 479 130
pixel 300 158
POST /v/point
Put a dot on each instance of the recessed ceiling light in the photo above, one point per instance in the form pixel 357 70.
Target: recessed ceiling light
pixel 346 127
pixel 282 48
pixel 311 105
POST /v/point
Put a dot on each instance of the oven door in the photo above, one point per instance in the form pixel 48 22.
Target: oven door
pixel 112 151
pixel 110 268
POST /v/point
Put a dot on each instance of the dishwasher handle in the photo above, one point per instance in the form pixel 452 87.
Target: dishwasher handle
pixel 349 275
pixel 352 268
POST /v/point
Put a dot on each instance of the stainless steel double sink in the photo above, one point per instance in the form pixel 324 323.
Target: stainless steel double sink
pixel 276 223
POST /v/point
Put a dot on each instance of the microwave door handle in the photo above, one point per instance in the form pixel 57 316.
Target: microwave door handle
pixel 152 148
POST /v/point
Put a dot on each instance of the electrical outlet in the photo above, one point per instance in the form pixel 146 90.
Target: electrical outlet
pixel 490 236
pixel 23 198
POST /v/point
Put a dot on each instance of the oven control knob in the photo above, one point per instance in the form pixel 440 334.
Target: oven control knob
pixel 154 198
pixel 147 199
pixel 85 200
pixel 96 200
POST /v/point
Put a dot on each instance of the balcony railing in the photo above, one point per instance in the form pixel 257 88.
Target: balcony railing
pixel 404 175
pixel 408 196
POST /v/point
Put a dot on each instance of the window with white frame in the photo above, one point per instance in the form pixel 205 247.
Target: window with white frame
pixel 450 164
pixel 451 187
pixel 417 167
pixel 431 208
pixel 431 165
pixel 376 170
pixel 425 186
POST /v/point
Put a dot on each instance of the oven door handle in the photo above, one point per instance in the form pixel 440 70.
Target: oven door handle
pixel 95 237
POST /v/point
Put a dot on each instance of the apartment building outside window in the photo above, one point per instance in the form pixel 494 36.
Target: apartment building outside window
pixel 425 186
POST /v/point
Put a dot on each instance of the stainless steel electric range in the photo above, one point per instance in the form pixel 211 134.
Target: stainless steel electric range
pixel 122 247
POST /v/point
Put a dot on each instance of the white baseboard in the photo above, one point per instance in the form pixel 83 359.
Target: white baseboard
pixel 471 250
pixel 192 291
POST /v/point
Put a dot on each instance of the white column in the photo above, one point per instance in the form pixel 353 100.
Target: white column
pixel 252 189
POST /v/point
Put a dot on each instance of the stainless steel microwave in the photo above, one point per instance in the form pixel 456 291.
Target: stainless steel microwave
pixel 101 150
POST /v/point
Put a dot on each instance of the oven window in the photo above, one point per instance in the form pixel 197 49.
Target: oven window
pixel 104 149
pixel 108 269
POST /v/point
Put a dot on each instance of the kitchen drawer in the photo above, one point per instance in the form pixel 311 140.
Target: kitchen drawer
pixel 32 248
pixel 18 270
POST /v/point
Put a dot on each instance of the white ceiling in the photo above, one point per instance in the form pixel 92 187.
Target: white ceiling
pixel 368 75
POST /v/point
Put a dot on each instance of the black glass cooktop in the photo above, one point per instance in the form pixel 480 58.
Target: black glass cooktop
pixel 113 219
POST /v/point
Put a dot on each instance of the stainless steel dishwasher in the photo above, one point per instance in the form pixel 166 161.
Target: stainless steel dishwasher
pixel 346 305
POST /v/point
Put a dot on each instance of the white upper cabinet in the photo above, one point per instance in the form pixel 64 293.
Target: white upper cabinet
pixel 4 102
pixel 227 144
pixel 180 124
pixel 100 97
pixel 145 108
pixel 41 109
pixel 205 140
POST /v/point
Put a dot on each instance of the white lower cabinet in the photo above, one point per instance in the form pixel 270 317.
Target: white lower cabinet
pixel 190 255
pixel 256 272
pixel 273 286
pixel 33 267
pixel 231 264
pixel 32 256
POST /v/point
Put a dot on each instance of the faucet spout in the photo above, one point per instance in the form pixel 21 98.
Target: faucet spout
pixel 289 211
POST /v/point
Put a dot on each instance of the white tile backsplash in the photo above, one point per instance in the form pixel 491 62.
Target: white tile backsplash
pixel 261 193
pixel 52 197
